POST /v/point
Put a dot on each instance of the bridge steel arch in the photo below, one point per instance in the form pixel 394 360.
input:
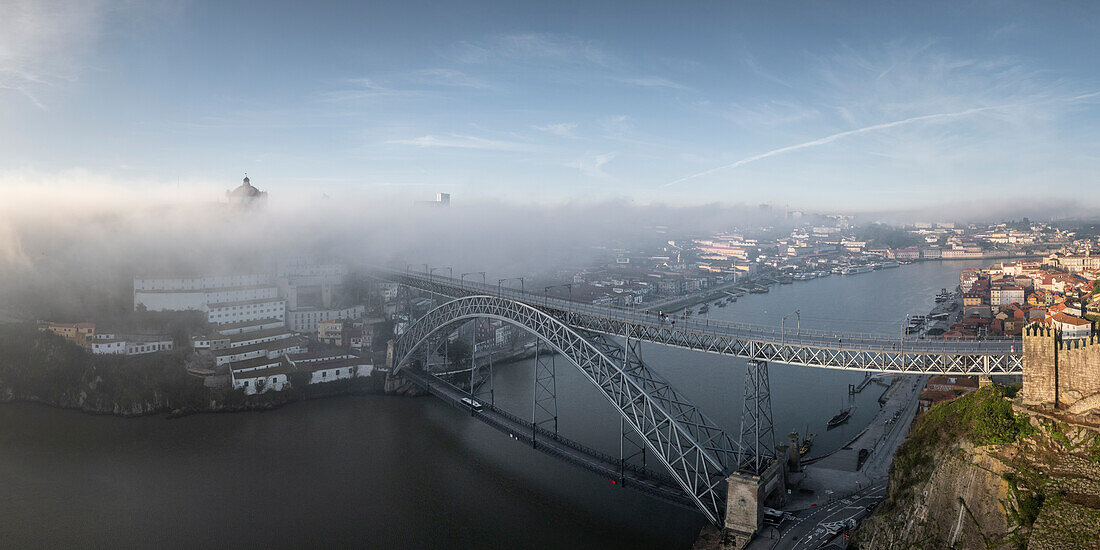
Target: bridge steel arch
pixel 833 350
pixel 694 449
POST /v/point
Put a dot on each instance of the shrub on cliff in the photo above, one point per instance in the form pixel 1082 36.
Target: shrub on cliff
pixel 982 416
pixel 42 365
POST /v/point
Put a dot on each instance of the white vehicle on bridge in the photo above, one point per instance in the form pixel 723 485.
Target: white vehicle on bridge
pixel 475 405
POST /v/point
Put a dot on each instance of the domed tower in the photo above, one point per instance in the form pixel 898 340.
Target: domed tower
pixel 246 196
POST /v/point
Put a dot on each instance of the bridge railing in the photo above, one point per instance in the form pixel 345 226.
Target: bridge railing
pixel 847 340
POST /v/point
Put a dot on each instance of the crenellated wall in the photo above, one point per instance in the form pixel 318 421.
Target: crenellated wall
pixel 1059 373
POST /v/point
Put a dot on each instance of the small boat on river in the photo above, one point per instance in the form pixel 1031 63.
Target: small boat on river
pixel 840 418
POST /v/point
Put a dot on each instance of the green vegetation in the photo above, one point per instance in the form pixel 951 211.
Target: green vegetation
pixel 40 365
pixel 983 416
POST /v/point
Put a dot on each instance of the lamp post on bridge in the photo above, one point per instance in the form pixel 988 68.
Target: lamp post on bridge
pixel 500 283
pixel 546 291
pixel 431 272
pixel 462 277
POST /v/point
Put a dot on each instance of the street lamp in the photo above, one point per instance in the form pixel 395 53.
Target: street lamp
pixel 482 273
pixel 432 271
pixel 546 290
pixel 500 282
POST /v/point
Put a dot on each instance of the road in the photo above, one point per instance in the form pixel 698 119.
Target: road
pixel 807 530
pixel 841 492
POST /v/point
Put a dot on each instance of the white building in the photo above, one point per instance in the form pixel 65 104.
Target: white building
pixel 327 367
pixel 1004 295
pixel 246 310
pixel 270 350
pixel 1072 327
pixel 117 344
pixel 245 327
pixel 305 320
pixel 193 293
pixel 261 375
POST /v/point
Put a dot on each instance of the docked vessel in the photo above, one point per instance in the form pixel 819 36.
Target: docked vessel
pixel 855 269
pixel 840 418
pixel 806 445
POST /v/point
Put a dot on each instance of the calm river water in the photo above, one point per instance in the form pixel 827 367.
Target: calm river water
pixel 391 472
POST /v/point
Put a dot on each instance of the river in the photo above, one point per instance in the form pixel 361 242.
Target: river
pixel 392 472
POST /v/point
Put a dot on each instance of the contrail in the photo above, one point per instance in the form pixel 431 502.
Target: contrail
pixel 834 137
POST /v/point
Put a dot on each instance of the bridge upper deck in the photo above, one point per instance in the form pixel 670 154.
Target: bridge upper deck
pixel 818 348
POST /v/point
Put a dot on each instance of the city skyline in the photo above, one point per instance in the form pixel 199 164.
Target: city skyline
pixel 828 105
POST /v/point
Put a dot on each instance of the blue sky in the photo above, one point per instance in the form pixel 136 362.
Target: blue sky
pixel 845 105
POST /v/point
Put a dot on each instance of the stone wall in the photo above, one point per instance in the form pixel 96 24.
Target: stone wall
pixel 1059 373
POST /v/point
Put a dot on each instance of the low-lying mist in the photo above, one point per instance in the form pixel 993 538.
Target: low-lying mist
pixel 77 249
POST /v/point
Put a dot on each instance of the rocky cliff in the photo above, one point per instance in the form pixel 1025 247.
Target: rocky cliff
pixel 978 472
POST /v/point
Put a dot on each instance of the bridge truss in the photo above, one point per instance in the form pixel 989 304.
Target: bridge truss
pixel 697 453
pixel 814 348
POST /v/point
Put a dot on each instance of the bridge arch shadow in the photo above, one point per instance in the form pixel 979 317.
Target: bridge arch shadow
pixel 696 452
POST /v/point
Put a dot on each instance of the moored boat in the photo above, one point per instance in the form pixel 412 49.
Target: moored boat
pixel 840 418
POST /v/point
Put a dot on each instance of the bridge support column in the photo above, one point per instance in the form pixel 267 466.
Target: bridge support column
pixel 544 395
pixel 756 419
pixel 745 498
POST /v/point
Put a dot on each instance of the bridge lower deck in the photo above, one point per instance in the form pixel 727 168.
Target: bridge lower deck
pixel 553 444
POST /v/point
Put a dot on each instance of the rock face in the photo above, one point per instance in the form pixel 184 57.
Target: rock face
pixel 1040 491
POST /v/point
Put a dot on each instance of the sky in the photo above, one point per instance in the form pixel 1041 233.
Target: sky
pixel 856 106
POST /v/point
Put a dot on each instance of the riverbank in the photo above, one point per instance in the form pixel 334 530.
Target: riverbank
pixel 40 367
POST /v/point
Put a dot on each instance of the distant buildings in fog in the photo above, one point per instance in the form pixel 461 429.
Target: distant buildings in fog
pixel 246 196
pixel 441 200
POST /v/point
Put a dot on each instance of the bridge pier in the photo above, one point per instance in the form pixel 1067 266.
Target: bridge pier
pixel 746 496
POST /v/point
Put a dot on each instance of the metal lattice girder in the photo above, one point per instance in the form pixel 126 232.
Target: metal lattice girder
pixel 757 431
pixel 697 452
pixel 825 349
pixel 544 395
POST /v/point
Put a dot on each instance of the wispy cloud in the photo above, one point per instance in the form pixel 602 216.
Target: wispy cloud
pixel 876 127
pixel 766 75
pixel 355 89
pixel 459 141
pixel 616 125
pixel 561 129
pixel 773 112
pixel 592 165
pixel 534 47
pixel 651 82
pixel 448 77
pixel 41 42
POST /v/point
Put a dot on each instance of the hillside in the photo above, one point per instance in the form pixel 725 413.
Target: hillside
pixel 977 473
pixel 43 367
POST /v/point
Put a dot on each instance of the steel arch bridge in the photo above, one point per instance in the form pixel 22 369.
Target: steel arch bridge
pixel 691 446
pixel 812 348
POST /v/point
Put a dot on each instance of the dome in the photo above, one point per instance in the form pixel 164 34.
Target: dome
pixel 245 193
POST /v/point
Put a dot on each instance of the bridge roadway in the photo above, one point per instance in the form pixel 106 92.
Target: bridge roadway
pixel 602 464
pixel 815 348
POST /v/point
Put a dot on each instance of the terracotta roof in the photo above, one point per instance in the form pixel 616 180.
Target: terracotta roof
pixel 1070 320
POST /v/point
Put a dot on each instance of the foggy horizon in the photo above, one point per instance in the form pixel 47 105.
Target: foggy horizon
pixel 482 274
